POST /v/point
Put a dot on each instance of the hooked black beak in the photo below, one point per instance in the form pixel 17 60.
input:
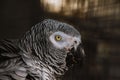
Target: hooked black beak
pixel 75 56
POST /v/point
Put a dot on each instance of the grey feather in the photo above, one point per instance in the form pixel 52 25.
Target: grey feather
pixel 33 57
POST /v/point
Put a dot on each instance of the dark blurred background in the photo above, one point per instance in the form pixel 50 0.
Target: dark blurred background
pixel 97 20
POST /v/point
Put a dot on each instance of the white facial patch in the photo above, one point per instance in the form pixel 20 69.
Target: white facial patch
pixel 67 41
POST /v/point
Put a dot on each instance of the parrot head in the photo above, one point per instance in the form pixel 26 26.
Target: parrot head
pixel 53 43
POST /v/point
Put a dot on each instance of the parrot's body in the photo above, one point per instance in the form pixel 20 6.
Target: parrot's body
pixel 13 66
pixel 41 54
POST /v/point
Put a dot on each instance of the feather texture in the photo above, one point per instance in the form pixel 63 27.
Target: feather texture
pixel 34 56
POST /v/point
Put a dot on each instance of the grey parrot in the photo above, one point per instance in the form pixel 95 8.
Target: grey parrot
pixel 45 52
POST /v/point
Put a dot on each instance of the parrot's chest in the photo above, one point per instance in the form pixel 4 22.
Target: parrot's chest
pixel 42 72
pixel 39 70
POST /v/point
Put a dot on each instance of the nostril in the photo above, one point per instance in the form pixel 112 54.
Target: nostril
pixel 75 42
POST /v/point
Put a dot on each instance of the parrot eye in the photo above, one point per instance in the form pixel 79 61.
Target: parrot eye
pixel 58 37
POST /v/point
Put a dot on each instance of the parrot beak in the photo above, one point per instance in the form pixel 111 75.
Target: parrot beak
pixel 75 56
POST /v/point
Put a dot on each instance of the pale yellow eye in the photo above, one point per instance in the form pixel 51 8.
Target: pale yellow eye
pixel 58 37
